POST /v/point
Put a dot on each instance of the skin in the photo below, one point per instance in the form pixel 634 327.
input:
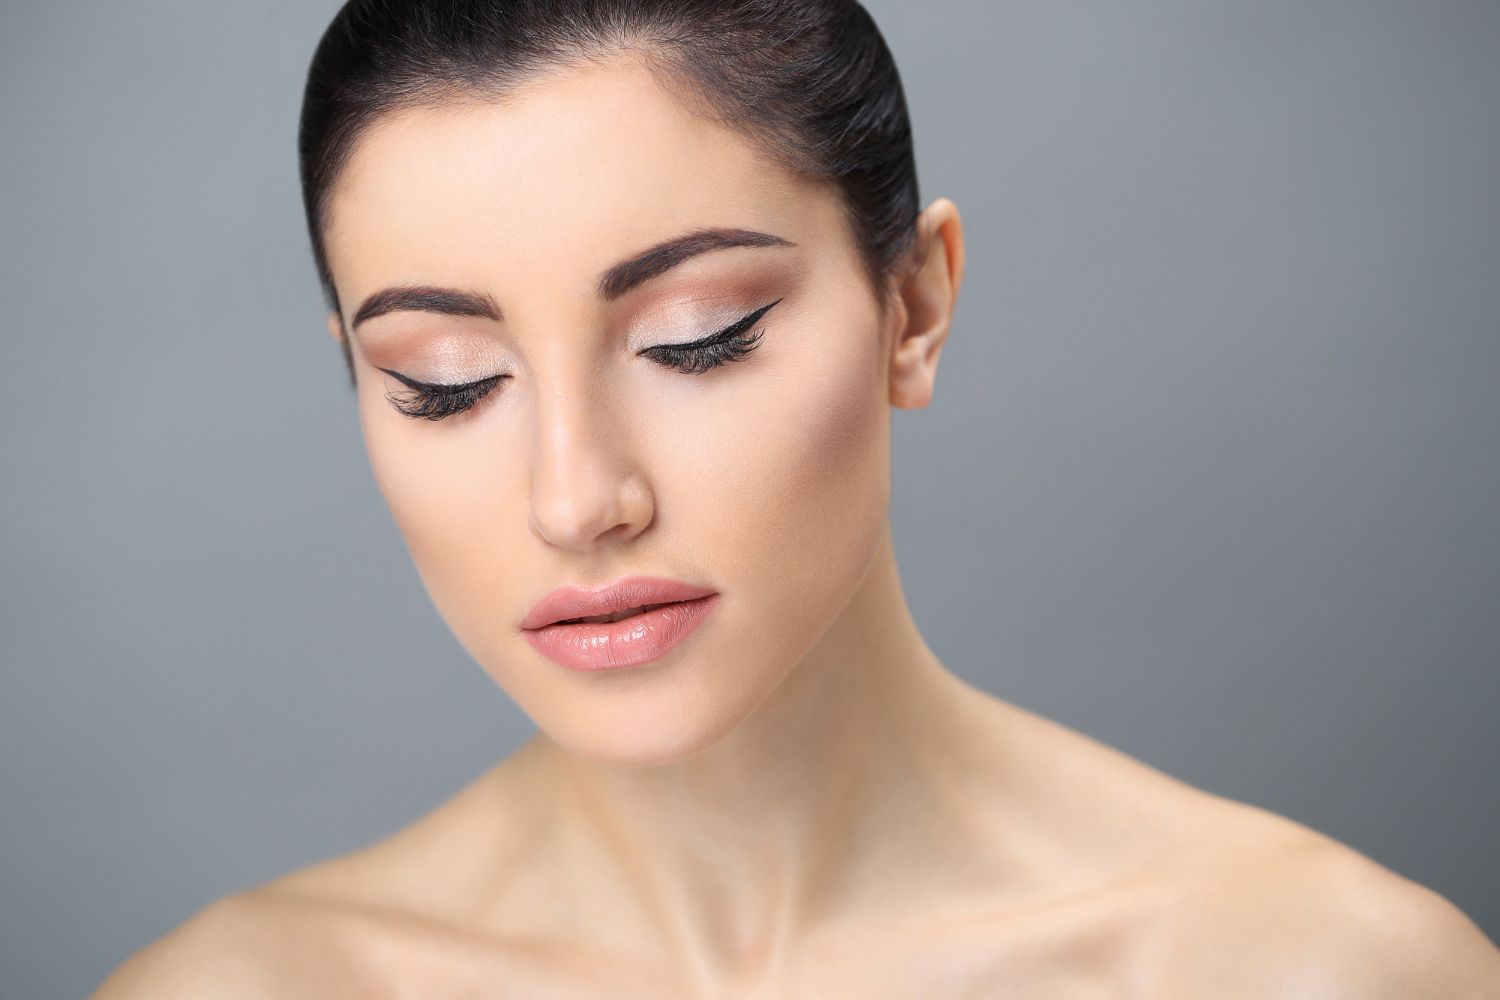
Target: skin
pixel 802 800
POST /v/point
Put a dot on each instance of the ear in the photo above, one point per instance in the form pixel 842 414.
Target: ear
pixel 336 328
pixel 926 296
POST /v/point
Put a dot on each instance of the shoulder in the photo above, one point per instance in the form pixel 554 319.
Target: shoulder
pixel 1212 896
pixel 255 943
pixel 1312 918
pixel 342 926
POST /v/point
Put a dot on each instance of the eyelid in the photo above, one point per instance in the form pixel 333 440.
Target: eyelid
pixel 733 329
pixel 435 388
pixel 452 388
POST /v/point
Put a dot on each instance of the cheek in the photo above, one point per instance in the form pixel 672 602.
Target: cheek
pixel 793 498
pixel 453 493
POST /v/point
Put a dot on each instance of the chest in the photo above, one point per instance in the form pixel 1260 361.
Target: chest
pixel 989 961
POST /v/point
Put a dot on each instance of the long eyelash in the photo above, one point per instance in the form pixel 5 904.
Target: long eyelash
pixel 711 354
pixel 433 401
pixel 731 344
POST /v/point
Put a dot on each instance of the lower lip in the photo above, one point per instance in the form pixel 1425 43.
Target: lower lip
pixel 629 642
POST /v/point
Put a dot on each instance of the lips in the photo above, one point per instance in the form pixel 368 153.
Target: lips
pixel 634 641
pixel 613 616
pixel 625 597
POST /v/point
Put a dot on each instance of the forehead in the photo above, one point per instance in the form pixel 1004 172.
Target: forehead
pixel 550 184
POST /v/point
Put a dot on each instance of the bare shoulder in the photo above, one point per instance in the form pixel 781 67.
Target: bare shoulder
pixel 1217 897
pixel 347 925
pixel 254 943
pixel 1309 917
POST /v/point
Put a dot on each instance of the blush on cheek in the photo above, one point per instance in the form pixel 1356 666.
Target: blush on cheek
pixel 836 470
pixel 815 485
pixel 456 510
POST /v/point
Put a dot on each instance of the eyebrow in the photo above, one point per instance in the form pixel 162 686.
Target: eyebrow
pixel 615 282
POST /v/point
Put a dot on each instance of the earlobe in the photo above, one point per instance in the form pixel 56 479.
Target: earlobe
pixel 928 293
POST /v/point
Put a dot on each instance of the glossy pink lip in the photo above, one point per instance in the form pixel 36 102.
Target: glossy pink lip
pixel 627 592
pixel 628 642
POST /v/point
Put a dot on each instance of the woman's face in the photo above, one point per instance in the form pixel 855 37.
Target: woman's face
pixel 765 479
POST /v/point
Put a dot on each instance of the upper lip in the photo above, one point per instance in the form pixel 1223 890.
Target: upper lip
pixel 570 601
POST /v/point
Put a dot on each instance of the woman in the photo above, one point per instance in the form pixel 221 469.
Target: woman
pixel 627 289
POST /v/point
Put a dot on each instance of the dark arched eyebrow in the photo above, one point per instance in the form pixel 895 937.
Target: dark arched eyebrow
pixel 613 283
pixel 421 298
pixel 627 274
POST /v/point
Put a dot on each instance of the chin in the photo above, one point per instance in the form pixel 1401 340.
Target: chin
pixel 634 732
pixel 657 713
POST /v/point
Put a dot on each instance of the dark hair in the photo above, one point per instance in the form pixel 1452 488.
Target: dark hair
pixel 811 80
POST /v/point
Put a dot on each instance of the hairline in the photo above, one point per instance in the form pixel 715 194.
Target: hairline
pixel 666 64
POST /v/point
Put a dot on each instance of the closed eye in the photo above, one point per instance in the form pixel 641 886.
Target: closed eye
pixel 733 343
pixel 437 401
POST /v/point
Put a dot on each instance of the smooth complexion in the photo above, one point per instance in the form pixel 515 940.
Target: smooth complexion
pixel 800 800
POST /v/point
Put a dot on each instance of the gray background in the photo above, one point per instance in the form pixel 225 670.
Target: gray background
pixel 1212 473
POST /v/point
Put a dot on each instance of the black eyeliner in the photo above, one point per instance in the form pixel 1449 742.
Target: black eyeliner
pixel 437 400
pixel 433 388
pixel 728 333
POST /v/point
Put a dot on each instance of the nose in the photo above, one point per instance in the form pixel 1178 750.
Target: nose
pixel 586 490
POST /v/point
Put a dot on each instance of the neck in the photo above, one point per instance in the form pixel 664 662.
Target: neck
pixel 810 809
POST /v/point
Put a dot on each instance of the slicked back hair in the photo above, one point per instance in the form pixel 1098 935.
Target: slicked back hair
pixel 811 81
